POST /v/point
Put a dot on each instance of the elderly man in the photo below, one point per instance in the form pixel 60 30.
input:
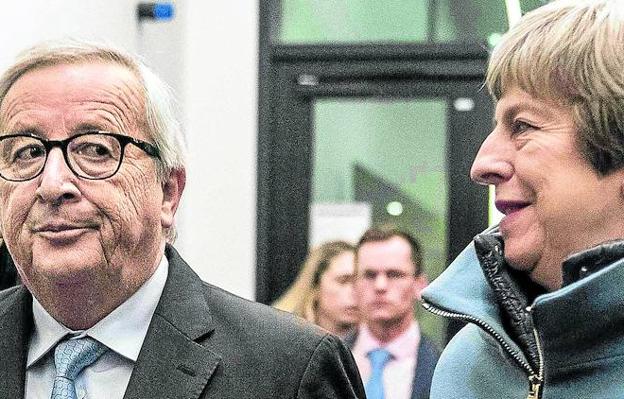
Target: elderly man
pixel 395 359
pixel 92 171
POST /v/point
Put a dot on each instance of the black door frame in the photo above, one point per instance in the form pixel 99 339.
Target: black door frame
pixel 301 74
pixel 292 76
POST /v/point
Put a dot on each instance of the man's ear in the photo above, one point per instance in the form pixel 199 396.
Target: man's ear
pixel 422 281
pixel 172 192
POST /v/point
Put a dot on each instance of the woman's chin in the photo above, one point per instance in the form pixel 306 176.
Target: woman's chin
pixel 519 261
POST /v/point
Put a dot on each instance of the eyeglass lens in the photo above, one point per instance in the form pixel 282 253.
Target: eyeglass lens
pixel 94 156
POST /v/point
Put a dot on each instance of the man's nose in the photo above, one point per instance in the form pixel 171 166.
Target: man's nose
pixel 381 282
pixel 57 182
pixel 493 163
pixel 350 296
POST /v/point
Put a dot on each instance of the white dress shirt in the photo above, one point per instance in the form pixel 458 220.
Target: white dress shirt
pixel 122 331
pixel 398 373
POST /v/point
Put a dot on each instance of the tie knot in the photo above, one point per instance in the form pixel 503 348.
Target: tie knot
pixel 379 358
pixel 73 355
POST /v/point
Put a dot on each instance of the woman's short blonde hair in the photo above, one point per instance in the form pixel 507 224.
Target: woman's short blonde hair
pixel 571 52
pixel 302 296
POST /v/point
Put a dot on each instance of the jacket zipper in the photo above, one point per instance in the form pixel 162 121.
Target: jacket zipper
pixel 536 380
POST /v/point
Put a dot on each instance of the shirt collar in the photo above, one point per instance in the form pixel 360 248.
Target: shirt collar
pixel 123 330
pixel 403 346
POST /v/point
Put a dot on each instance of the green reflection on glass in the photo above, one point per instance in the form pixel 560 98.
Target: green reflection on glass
pixel 361 21
pixel 401 145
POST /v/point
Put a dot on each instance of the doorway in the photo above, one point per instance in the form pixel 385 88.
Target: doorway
pixel 392 127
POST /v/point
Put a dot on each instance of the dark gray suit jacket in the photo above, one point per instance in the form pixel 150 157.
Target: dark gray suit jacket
pixel 204 342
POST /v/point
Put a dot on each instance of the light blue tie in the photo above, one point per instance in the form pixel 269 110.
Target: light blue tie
pixel 378 359
pixel 70 357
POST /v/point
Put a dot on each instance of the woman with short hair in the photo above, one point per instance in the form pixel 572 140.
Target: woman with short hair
pixel 542 291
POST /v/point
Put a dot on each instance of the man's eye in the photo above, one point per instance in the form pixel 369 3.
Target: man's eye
pixel 93 150
pixel 28 153
pixel 370 275
pixel 395 275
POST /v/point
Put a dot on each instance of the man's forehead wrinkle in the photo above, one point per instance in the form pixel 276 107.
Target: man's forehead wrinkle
pixel 12 106
pixel 134 99
pixel 16 122
pixel 122 98
pixel 97 118
pixel 122 101
pixel 110 113
pixel 101 113
pixel 131 95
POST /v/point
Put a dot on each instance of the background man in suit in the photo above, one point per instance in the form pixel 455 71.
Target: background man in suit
pixel 92 171
pixel 396 361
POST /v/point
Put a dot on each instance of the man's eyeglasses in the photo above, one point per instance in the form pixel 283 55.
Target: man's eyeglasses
pixel 92 155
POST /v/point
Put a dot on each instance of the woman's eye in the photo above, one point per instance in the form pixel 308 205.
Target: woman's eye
pixel 518 127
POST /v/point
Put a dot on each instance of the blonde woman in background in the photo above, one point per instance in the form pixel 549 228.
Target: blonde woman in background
pixel 323 291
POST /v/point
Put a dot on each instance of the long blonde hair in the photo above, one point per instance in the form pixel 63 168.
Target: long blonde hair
pixel 301 298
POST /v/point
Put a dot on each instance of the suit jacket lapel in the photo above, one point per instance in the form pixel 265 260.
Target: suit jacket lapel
pixel 425 364
pixel 172 361
pixel 15 328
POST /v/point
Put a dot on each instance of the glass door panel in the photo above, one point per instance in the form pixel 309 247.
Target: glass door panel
pixel 390 154
pixel 397 21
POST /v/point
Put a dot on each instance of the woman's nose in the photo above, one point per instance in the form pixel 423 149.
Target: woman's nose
pixel 494 161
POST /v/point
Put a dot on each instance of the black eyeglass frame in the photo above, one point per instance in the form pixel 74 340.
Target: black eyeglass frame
pixel 123 140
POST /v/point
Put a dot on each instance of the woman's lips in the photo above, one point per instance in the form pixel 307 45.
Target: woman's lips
pixel 509 207
pixel 512 211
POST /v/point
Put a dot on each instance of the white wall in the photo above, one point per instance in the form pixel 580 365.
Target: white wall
pixel 208 54
pixel 23 23
pixel 220 102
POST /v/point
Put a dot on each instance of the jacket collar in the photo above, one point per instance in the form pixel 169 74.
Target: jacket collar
pixel 473 286
pixel 588 306
pixel 582 322
pixel 582 264
pixel 173 359
pixel 462 289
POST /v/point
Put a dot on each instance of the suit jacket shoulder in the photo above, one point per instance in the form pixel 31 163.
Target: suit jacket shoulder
pixel 15 329
pixel 292 358
pixel 8 272
pixel 210 343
